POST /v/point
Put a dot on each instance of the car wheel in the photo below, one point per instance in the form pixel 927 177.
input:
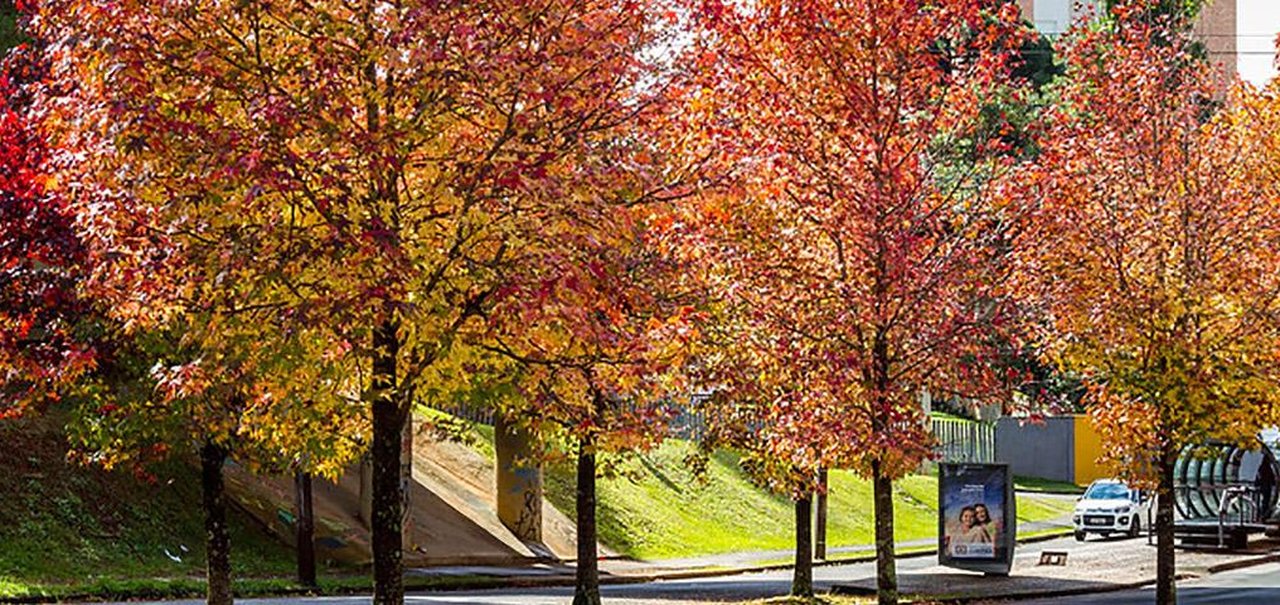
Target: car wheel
pixel 1135 527
pixel 1079 536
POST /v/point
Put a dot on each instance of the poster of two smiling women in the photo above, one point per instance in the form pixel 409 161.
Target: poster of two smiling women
pixel 977 523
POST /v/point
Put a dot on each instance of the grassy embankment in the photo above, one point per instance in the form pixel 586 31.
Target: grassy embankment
pixel 66 529
pixel 659 509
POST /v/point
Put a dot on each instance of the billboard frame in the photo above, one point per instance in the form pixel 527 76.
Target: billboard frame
pixel 951 477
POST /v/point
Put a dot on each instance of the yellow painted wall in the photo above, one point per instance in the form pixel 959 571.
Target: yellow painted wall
pixel 1088 448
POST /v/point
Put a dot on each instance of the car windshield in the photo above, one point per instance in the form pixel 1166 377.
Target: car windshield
pixel 1107 491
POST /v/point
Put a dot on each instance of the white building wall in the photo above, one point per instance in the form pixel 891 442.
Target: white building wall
pixel 1054 17
pixel 1240 34
pixel 1257 23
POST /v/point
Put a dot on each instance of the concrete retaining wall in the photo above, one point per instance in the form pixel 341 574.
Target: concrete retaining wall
pixel 1062 448
pixel 1044 450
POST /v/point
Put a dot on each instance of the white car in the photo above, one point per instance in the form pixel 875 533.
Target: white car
pixel 1110 507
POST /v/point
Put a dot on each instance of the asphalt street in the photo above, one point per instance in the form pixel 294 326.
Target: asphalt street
pixel 1253 585
pixel 1259 585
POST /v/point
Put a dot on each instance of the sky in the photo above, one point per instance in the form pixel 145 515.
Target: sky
pixel 1257 23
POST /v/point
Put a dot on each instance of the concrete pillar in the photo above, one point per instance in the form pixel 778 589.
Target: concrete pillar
pixel 366 490
pixel 406 484
pixel 519 481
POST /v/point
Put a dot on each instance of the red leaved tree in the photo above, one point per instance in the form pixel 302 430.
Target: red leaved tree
pixel 600 329
pixel 349 176
pixel 40 254
pixel 198 345
pixel 599 314
pixel 861 256
pixel 1156 253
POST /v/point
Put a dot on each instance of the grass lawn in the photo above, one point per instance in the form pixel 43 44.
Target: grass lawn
pixel 658 509
pixel 1046 486
pixel 64 527
pixel 194 588
pixel 67 531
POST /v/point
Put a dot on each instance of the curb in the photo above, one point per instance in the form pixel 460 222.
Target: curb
pixel 1047 594
pixel 558 581
pixel 1243 563
pixel 1070 592
pixel 549 581
pixel 868 558
pixel 569 580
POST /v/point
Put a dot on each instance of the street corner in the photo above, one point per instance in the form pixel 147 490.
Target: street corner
pixel 1062 568
pixel 963 586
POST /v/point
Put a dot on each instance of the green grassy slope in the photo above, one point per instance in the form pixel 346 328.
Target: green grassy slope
pixel 658 509
pixel 1047 486
pixel 62 524
pixel 65 528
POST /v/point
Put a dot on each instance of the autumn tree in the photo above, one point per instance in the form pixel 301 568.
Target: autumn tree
pixel 768 402
pixel 862 265
pixel 599 316
pixel 600 330
pixel 367 158
pixel 40 255
pixel 1157 251
pixel 205 347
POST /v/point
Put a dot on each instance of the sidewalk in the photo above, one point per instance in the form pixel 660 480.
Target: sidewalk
pixel 773 558
pixel 623 570
pixel 1093 567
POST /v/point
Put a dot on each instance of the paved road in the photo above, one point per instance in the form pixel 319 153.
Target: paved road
pixel 732 589
pixel 1254 585
pixel 709 590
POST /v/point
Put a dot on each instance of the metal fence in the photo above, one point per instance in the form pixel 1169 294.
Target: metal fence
pixel 958 440
pixel 471 413
pixel 964 440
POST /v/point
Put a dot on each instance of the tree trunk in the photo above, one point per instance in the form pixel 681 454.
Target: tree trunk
pixel 306 529
pixel 217 539
pixel 820 523
pixel 587 589
pixel 886 567
pixel 366 490
pixel 802 580
pixel 1166 591
pixel 388 429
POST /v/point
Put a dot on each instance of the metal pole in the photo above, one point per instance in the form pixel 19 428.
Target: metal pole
pixel 820 531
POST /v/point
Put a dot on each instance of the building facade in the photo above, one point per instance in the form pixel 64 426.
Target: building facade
pixel 1240 35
